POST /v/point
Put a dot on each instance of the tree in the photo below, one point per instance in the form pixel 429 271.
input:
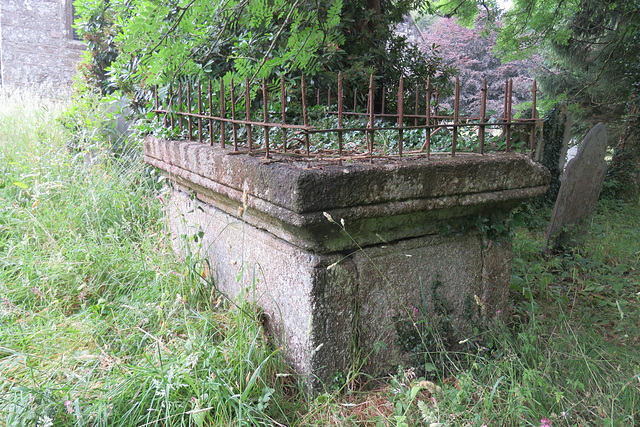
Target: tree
pixel 470 51
pixel 591 52
pixel 158 42
pixel 98 27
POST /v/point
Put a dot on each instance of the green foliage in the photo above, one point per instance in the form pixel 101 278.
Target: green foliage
pixel 164 40
pixel 590 56
pixel 100 323
pixel 133 45
pixel 98 25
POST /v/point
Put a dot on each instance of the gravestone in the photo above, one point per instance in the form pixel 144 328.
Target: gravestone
pixel 116 127
pixel 551 150
pixel 579 191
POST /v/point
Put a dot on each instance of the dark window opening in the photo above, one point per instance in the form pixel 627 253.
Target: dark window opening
pixel 74 31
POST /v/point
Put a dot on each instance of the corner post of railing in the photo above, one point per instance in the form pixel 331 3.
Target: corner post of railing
pixel 400 114
pixel 534 117
pixel 509 104
pixel 483 113
pixel 340 109
pixel 223 114
pixel 199 111
pixel 209 90
pixel 427 142
pixel 265 113
pixel 247 103
pixel 283 106
pixel 456 116
pixel 234 126
pixel 505 114
pixel 370 108
pixel 189 121
pixel 305 114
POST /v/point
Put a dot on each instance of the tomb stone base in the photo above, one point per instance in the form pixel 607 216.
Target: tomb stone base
pixel 346 259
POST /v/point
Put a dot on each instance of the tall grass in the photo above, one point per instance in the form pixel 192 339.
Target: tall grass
pixel 99 323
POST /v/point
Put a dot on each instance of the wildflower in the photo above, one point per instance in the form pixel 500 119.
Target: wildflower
pixel 499 312
pixel 45 421
pixel 545 422
pixel 67 404
pixel 415 311
pixel 328 216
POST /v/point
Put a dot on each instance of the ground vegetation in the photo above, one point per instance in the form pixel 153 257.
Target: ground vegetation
pixel 100 324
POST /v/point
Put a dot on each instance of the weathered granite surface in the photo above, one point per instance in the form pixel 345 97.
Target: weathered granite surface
pixel 402 238
pixel 383 201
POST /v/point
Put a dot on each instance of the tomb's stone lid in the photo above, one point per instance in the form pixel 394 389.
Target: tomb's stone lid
pixel 396 198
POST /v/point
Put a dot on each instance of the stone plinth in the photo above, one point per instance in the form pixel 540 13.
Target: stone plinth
pixel 402 242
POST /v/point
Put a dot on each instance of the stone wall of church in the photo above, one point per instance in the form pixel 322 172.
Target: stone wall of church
pixel 37 46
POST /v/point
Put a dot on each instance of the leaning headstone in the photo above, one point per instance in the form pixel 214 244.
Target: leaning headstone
pixel 579 191
pixel 551 150
pixel 116 127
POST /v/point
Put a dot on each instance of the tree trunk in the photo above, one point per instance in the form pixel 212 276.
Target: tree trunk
pixel 624 172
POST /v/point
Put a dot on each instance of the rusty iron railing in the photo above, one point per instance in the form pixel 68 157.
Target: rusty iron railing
pixel 175 110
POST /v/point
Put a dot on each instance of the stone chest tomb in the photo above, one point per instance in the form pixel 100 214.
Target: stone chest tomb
pixel 329 285
pixel 340 252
